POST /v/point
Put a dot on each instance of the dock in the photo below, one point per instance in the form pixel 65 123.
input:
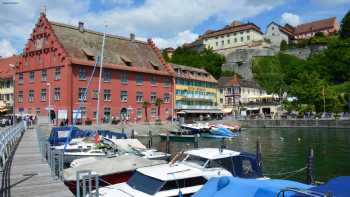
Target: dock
pixel 30 175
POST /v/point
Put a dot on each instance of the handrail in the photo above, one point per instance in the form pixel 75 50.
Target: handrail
pixel 8 140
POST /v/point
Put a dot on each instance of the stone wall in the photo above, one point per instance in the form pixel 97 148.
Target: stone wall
pixel 240 60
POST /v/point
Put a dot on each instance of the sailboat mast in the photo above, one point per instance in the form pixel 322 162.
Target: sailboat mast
pixel 100 79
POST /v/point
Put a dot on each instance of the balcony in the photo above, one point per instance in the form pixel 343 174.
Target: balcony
pixel 198 96
pixel 180 106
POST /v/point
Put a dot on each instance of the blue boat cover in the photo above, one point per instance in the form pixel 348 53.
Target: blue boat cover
pixel 233 186
pixel 338 187
pixel 59 135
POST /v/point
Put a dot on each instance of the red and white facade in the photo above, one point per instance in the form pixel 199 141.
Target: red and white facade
pixel 48 74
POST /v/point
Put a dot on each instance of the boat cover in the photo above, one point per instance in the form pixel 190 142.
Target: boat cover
pixel 59 135
pixel 229 186
pixel 338 187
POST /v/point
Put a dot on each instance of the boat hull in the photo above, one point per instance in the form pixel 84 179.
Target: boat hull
pixel 104 180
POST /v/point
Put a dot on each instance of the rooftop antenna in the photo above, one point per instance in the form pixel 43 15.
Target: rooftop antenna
pixel 42 7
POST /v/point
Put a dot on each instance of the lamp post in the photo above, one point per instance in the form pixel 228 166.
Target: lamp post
pixel 14 93
pixel 49 107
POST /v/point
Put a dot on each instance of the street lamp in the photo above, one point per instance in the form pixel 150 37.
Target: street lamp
pixel 13 67
pixel 49 107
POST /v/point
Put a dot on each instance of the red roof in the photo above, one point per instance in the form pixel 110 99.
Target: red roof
pixel 231 29
pixel 315 26
pixel 5 70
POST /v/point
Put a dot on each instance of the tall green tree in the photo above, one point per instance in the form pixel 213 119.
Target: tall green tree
pixel 345 26
pixel 206 59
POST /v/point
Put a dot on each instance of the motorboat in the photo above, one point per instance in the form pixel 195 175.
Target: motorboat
pixel 218 130
pixel 86 147
pixel 134 146
pixel 195 128
pixel 110 170
pixel 185 176
pixel 232 127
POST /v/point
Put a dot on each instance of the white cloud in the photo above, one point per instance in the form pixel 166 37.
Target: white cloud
pixel 290 18
pixel 181 38
pixel 164 20
pixel 6 49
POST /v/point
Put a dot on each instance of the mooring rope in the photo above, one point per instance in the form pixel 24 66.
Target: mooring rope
pixel 289 173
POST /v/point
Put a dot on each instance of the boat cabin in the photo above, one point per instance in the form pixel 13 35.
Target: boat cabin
pixel 239 164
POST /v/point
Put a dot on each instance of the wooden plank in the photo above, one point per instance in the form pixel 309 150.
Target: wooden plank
pixel 30 176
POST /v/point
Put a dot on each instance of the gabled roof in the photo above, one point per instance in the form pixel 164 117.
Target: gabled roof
pixel 231 29
pixel 315 26
pixel 228 82
pixel 6 71
pixel 249 84
pixel 81 44
pixel 204 75
pixel 286 29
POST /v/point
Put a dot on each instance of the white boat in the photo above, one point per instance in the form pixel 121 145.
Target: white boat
pixel 85 147
pixel 187 175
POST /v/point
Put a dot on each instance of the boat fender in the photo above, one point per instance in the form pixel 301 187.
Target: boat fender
pixel 223 182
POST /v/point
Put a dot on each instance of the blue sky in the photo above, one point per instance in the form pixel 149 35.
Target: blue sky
pixel 167 22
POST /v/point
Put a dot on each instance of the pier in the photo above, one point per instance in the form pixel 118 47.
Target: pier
pixel 27 174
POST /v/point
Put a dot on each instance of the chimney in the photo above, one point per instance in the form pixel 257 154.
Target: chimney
pixel 235 23
pixel 132 37
pixel 81 26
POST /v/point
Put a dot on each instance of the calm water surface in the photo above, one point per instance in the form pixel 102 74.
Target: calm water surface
pixel 283 151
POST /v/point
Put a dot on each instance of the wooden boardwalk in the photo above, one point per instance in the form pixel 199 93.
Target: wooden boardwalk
pixel 30 176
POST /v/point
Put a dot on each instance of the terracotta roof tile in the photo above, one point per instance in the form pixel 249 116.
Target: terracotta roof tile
pixel 190 73
pixel 231 29
pixel 228 81
pixel 5 70
pixel 315 26
pixel 82 44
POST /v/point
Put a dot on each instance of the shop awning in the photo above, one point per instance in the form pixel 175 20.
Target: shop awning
pixel 227 110
pixel 193 111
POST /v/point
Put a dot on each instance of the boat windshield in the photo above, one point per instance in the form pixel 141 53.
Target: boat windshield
pixel 196 160
pixel 145 184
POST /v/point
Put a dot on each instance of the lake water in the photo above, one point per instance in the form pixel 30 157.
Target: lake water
pixel 285 149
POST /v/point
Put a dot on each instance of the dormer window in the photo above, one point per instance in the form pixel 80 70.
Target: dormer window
pixel 155 66
pixel 126 60
pixel 89 54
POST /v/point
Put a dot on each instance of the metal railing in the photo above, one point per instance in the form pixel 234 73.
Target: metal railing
pixel 8 140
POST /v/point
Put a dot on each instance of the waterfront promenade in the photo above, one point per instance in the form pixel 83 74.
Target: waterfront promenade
pixel 30 176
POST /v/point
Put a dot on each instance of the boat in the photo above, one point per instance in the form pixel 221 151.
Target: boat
pixel 187 175
pixel 110 170
pixel 60 135
pixel 233 128
pixel 226 186
pixel 195 128
pixel 134 146
pixel 177 137
pixel 221 131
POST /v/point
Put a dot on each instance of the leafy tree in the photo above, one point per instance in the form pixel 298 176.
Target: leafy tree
pixel 165 56
pixel 145 106
pixel 345 26
pixel 207 59
pixel 284 45
pixel 158 103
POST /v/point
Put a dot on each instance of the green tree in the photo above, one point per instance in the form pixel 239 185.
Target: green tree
pixel 206 59
pixel 158 103
pixel 145 106
pixel 283 45
pixel 345 26
pixel 165 56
